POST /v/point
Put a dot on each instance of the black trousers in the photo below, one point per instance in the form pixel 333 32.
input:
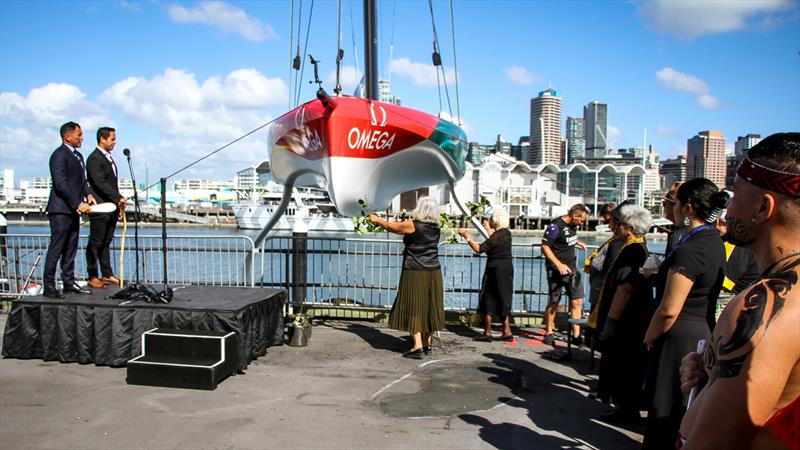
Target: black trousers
pixel 101 233
pixel 64 230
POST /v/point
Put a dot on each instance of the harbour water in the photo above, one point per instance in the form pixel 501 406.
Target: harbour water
pixel 340 268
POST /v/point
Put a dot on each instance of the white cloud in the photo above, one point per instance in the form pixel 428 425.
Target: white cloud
pixel 349 77
pixel 177 105
pixel 707 101
pixel 29 124
pixel 614 136
pixel 679 81
pixel 419 73
pixel 225 17
pixel 50 106
pixel 689 19
pixel 521 76
pixel 674 80
pixel 132 6
pixel 667 132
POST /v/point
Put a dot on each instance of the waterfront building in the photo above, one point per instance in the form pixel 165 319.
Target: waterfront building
pixel 545 126
pixel 201 184
pixel 745 143
pixel 385 93
pixel 546 190
pixel 520 151
pixel 705 157
pixel 477 152
pixel 576 138
pixel 595 116
pixel 502 146
pixel 672 170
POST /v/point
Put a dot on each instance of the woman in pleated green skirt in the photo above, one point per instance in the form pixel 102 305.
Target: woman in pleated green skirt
pixel 419 306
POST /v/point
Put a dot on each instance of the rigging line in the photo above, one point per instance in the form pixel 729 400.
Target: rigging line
pixel 221 148
pixel 305 53
pixel 436 51
pixel 391 45
pixel 297 72
pixel 291 47
pixel 339 51
pixel 355 49
pixel 455 62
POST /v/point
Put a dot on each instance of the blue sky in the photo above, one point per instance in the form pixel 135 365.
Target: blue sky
pixel 179 79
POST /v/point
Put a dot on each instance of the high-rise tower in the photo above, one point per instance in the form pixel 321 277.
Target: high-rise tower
pixel 705 157
pixel 595 116
pixel 545 128
pixel 576 138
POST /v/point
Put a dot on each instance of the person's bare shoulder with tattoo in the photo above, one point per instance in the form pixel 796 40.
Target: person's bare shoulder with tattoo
pixel 752 365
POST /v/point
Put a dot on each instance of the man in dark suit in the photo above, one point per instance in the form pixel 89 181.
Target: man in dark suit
pixel 102 173
pixel 69 197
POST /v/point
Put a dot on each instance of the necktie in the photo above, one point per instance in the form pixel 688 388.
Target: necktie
pixel 78 155
pixel 113 166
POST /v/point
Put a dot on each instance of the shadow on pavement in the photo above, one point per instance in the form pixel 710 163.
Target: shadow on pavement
pixel 562 415
pixel 376 338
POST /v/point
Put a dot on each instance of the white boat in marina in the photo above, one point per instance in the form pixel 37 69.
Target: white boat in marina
pixel 251 216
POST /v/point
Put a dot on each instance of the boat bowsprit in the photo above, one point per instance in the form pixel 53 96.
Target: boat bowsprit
pixel 361 149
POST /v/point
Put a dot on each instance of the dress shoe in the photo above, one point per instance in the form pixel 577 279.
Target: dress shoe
pixel 413 354
pixel 75 289
pixel 53 293
pixel 96 283
pixel 111 279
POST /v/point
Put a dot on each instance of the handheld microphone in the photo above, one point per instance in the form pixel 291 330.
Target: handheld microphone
pixel 127 152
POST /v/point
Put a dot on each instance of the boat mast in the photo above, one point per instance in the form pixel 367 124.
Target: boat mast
pixel 371 49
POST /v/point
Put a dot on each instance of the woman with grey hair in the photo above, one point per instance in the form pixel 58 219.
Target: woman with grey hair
pixel 497 287
pixel 419 305
pixel 621 317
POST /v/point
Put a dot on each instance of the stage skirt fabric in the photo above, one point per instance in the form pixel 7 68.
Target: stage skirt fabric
pixel 419 306
pixel 91 329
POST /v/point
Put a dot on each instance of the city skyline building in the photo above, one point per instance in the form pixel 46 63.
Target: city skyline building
pixel 595 116
pixel 545 128
pixel 672 170
pixel 385 93
pixel 576 138
pixel 745 143
pixel 705 157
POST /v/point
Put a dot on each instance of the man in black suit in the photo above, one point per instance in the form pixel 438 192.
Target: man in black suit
pixel 64 207
pixel 102 173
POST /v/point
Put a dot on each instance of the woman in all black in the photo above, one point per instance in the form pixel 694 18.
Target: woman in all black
pixel 497 287
pixel 419 306
pixel 621 317
pixel 688 283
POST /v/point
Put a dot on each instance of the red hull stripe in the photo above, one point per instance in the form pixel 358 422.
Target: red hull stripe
pixel 354 128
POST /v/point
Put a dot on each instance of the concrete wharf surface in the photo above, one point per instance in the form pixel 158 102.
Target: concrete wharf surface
pixel 349 389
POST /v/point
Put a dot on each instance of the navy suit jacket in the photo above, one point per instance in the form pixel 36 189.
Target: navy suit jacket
pixel 69 182
pixel 101 178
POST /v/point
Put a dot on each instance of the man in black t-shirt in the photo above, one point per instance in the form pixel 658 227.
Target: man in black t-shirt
pixel 558 247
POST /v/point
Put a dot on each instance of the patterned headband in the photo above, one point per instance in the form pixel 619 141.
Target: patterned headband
pixel 770 179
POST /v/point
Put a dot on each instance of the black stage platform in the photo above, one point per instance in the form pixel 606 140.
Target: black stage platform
pixel 93 329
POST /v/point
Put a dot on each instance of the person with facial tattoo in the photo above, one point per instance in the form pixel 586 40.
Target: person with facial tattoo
pixel 749 374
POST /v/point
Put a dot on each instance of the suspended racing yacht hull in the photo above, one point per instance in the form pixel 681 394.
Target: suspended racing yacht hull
pixel 364 150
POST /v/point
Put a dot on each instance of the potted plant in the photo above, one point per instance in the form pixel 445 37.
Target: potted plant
pixel 300 329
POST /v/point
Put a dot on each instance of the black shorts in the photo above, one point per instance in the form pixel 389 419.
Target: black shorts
pixel 571 283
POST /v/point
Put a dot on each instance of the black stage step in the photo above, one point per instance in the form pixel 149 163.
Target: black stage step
pixel 184 359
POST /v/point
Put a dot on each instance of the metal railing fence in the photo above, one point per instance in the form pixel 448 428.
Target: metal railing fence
pixel 365 272
pixel 315 270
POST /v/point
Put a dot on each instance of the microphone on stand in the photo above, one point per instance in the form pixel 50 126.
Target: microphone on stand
pixel 136 290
